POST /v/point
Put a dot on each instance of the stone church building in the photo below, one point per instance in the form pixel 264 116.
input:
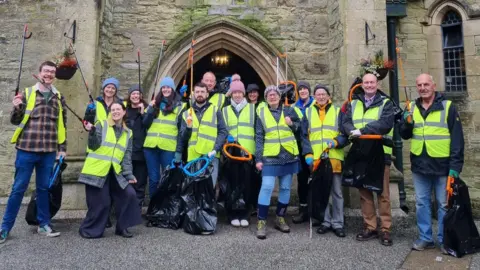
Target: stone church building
pixel 324 41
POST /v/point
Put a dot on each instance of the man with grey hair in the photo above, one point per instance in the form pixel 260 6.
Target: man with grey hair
pixel 437 151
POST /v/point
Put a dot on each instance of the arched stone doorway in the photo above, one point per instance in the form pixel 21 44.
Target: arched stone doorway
pixel 227 34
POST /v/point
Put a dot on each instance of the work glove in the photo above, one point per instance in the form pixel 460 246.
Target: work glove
pixel 212 154
pixel 356 133
pixel 183 89
pixel 309 159
pixel 230 139
pixel 330 143
pixel 91 106
pixel 406 118
pixel 453 173
pixel 178 157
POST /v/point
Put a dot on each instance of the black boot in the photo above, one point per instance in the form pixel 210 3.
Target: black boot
pixel 302 215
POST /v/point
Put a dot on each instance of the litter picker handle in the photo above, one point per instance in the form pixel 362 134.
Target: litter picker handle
pixel 449 188
pixel 371 137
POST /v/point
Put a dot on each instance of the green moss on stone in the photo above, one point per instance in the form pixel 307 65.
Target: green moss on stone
pixel 256 25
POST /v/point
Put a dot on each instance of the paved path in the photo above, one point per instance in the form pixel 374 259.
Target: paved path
pixel 229 248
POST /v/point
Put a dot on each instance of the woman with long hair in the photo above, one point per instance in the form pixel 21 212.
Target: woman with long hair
pixel 107 175
pixel 162 122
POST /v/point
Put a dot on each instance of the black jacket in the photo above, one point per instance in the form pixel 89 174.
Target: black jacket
pixel 382 126
pixel 134 122
pixel 426 165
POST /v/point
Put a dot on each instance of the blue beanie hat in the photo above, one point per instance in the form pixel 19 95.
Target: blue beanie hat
pixel 167 81
pixel 113 81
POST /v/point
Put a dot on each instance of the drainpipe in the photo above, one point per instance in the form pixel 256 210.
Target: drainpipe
pixel 393 80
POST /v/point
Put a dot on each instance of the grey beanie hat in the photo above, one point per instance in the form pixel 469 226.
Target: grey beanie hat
pixel 271 88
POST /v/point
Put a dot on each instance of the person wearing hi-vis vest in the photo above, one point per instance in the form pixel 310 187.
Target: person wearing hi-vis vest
pixel 321 127
pixel 107 175
pixel 239 117
pixel 370 113
pixel 100 108
pixel 305 101
pixel 202 131
pixel 214 95
pixel 436 151
pixel 277 155
pixel 162 121
pixel 40 136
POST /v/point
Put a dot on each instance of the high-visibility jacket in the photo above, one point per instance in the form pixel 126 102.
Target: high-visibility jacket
pixel 361 118
pixel 164 131
pixel 276 134
pixel 242 128
pixel 100 112
pixel 30 96
pixel 261 104
pixel 218 99
pixel 432 132
pixel 204 133
pixel 110 153
pixel 320 131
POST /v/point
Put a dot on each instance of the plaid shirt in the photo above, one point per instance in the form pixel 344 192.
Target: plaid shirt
pixel 40 132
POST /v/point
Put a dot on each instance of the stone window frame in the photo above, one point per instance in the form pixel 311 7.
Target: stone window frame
pixel 433 31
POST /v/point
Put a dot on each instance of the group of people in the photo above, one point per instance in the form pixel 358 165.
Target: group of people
pixel 131 141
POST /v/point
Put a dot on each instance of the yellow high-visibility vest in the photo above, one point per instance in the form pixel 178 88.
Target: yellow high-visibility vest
pixel 276 134
pixel 217 100
pixel 204 133
pixel 163 132
pixel 319 131
pixel 432 132
pixel 110 153
pixel 362 118
pixel 242 128
pixel 30 96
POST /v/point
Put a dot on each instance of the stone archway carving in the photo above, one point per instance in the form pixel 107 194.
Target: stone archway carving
pixel 437 9
pixel 227 34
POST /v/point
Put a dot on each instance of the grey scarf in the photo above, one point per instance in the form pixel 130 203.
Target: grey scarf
pixel 238 107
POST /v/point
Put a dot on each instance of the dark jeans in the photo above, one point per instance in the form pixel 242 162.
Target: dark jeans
pixel 157 160
pixel 302 180
pixel 141 174
pixel 24 164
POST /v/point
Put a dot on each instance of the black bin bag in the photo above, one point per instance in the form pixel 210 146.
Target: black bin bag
pixel 166 208
pixel 319 187
pixel 460 235
pixel 235 183
pixel 199 198
pixel 55 192
pixel 365 165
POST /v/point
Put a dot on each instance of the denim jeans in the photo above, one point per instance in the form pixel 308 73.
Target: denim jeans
pixel 423 189
pixel 24 164
pixel 335 219
pixel 268 184
pixel 157 160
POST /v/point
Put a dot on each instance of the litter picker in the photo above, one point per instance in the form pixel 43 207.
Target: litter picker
pixel 24 37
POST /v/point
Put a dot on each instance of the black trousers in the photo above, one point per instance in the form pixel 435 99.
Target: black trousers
pixel 255 185
pixel 99 201
pixel 302 180
pixel 141 173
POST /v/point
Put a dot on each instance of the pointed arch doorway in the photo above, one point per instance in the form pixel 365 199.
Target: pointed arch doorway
pixel 248 49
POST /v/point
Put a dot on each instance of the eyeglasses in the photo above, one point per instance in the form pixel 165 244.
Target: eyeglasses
pixel 49 71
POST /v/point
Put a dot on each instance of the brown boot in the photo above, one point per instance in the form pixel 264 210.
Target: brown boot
pixel 281 225
pixel 385 239
pixel 366 235
pixel 262 229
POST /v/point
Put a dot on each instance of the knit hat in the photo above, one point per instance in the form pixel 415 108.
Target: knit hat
pixel 113 81
pixel 303 84
pixel 134 88
pixel 236 77
pixel 271 88
pixel 237 86
pixel 318 86
pixel 167 81
pixel 252 87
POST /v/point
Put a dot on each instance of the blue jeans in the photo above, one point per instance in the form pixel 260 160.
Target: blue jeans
pixel 268 184
pixel 157 160
pixel 423 189
pixel 24 164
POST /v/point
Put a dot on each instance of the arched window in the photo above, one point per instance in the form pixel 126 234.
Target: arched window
pixel 453 53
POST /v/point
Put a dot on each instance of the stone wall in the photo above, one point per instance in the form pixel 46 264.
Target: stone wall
pixel 47 20
pixel 420 43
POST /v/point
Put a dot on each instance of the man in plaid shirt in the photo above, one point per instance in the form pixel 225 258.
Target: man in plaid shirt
pixel 40 134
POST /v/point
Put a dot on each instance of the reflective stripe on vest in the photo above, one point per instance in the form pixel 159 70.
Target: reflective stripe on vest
pixel 276 134
pixel 319 131
pixel 361 118
pixel 31 97
pixel 100 112
pixel 218 100
pixel 204 133
pixel 432 132
pixel 110 153
pixel 164 131
pixel 242 128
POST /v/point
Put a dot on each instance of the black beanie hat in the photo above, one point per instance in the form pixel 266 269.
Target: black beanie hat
pixel 252 87
pixel 303 84
pixel 318 86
